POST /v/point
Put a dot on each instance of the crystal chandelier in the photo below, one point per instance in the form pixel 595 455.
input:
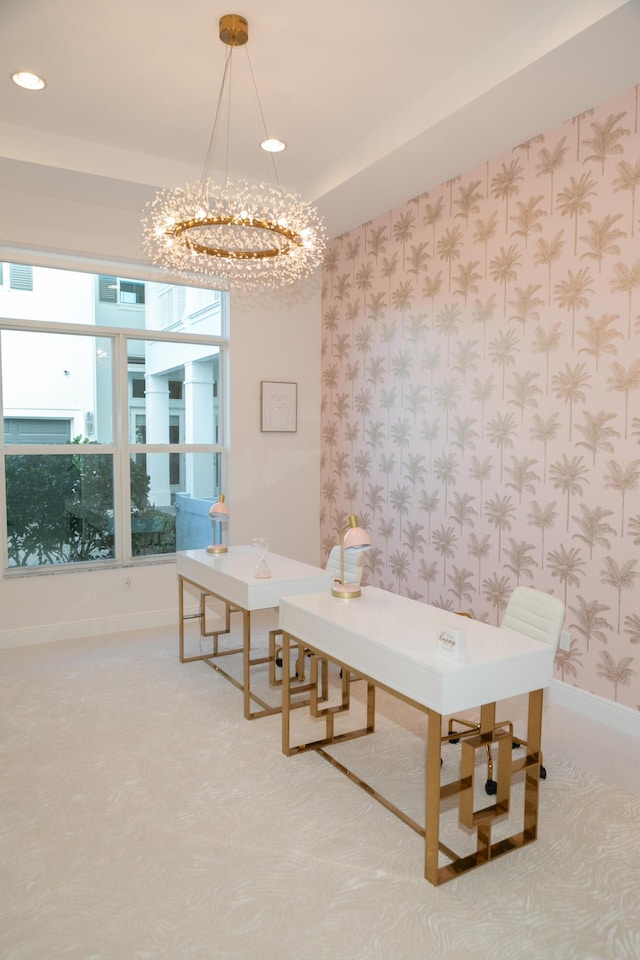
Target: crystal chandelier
pixel 242 234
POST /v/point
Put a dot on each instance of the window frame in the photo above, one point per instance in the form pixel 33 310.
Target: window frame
pixel 122 449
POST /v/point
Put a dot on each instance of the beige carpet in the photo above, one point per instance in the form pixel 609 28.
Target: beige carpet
pixel 144 818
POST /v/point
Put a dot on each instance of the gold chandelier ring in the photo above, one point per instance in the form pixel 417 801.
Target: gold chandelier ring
pixel 180 229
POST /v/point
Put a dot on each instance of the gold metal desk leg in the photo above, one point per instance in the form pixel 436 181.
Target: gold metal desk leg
pixel 532 779
pixel 181 616
pixel 432 814
pixel 229 608
pixel 286 694
pixel 246 662
pixel 265 709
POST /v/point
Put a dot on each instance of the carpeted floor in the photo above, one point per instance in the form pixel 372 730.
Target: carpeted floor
pixel 144 818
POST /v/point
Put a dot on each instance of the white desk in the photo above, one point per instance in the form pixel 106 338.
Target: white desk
pixel 229 577
pixel 392 642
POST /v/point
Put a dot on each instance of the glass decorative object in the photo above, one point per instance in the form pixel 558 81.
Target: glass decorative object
pixel 262 567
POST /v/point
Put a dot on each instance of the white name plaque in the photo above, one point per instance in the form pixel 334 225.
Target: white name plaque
pixel 452 643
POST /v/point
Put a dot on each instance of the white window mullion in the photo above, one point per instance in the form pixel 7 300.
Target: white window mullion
pixel 122 464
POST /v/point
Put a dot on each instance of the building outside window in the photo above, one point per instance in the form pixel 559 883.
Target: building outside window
pixel 112 448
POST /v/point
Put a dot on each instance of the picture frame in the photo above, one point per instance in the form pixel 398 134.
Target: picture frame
pixel 278 406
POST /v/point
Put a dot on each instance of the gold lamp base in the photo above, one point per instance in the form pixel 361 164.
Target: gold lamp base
pixel 346 591
pixel 216 548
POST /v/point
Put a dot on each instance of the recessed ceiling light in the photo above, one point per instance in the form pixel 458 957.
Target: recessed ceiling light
pixel 28 80
pixel 272 145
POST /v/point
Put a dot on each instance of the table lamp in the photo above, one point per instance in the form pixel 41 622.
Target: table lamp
pixel 219 514
pixel 352 537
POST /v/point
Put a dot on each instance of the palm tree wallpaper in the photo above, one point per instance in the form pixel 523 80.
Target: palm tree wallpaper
pixel 481 390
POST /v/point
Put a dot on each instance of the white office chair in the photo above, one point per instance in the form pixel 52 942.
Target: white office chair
pixel 537 615
pixel 353 569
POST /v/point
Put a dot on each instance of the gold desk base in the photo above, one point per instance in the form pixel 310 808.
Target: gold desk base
pixel 480 820
pixel 210 658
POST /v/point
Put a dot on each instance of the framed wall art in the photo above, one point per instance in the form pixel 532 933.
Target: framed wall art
pixel 278 407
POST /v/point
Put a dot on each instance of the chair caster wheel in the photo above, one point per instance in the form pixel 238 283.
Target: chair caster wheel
pixel 491 787
pixel 543 773
pixel 278 661
pixel 514 745
pixel 457 740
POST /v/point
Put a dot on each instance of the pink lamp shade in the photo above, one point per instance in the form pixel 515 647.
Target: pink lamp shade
pixel 357 538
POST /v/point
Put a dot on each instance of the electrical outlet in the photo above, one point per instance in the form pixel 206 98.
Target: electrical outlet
pixel 127 583
pixel 565 641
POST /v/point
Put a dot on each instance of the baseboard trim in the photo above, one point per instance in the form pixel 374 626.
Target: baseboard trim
pixel 615 715
pixel 76 630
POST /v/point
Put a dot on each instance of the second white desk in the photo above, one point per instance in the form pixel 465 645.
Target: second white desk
pixel 230 577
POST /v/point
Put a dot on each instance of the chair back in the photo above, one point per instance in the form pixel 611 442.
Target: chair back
pixel 535 614
pixel 353 564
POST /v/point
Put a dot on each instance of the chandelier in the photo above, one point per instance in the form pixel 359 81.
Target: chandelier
pixel 242 234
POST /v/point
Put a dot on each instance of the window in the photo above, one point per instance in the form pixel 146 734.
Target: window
pixel 131 292
pixel 74 491
pixel 36 430
pixel 175 459
pixel 114 290
pixel 20 277
pixel 137 387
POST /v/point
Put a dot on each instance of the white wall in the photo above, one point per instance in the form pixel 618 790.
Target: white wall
pixel 273 478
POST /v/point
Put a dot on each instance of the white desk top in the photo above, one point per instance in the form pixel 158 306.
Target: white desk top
pixel 231 575
pixel 394 640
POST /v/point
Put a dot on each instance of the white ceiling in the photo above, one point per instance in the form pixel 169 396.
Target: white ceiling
pixel 377 101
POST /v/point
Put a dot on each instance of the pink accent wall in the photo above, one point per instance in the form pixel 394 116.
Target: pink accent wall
pixel 481 390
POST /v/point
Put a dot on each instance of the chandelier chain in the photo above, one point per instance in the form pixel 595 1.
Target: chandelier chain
pixel 264 125
pixel 212 139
